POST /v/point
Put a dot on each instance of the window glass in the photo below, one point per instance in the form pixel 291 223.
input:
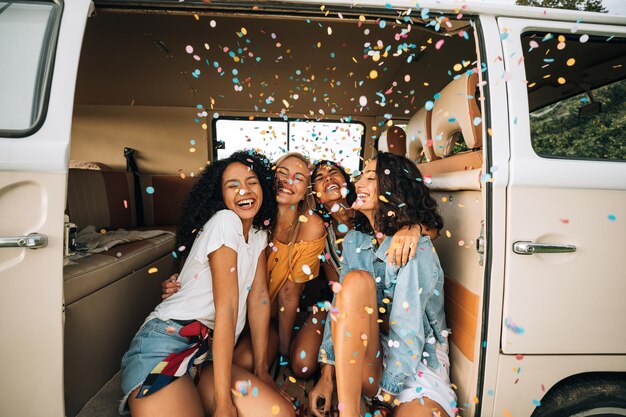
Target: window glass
pixel 339 142
pixel 577 95
pixel 26 40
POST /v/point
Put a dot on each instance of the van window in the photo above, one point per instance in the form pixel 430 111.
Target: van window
pixel 577 95
pixel 336 141
pixel 27 38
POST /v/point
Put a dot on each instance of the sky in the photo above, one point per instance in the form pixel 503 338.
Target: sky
pixel 613 6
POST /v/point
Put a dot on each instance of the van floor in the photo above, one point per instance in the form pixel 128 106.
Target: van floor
pixel 105 403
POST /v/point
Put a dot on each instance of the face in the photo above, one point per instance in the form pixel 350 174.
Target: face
pixel 329 184
pixel 292 181
pixel 242 191
pixel 367 190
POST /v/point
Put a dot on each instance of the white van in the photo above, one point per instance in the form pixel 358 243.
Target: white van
pixel 517 116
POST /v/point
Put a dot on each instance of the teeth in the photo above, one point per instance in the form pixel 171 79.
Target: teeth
pixel 247 202
pixel 332 187
pixel 284 190
pixel 362 196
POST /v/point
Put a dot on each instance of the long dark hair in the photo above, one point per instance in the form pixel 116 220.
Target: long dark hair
pixel 205 198
pixel 350 197
pixel 408 199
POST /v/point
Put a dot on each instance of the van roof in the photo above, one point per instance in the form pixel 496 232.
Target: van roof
pixel 501 10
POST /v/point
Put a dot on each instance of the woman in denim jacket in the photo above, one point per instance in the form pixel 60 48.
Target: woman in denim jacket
pixel 388 337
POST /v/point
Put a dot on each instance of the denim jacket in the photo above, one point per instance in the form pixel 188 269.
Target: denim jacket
pixel 413 297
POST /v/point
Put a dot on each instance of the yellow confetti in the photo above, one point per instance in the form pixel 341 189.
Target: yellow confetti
pixel 103 231
pixel 244 31
pixel 292 379
pixel 561 80
pixel 383 198
pixel 457 67
pixel 303 218
pixel 570 62
pixel 153 270
pixel 373 74
pixel 275 410
pixel 448 234
pixel 506 412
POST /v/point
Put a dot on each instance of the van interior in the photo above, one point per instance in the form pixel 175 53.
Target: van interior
pixel 153 83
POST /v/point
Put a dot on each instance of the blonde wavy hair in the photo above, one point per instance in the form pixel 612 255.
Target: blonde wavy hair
pixel 306 205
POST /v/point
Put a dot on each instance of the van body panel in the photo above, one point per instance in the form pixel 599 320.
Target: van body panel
pixel 551 300
pixel 33 183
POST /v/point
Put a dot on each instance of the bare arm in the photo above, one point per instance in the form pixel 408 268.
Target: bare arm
pixel 259 315
pixel 223 264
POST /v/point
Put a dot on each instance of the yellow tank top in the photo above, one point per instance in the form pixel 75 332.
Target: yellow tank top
pixel 305 263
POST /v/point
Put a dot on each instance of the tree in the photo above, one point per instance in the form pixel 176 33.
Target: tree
pixel 582 5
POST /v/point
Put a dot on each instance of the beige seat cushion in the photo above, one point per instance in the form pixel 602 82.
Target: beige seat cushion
pixel 92 273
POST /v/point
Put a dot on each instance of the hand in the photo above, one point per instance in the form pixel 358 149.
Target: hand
pixel 404 245
pixel 265 377
pixel 170 286
pixel 320 396
pixel 225 410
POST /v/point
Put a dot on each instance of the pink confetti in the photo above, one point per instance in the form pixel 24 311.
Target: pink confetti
pixel 439 44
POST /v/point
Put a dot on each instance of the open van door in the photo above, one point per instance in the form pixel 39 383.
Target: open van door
pixel 40 47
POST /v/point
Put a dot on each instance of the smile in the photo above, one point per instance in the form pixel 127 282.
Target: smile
pixel 247 203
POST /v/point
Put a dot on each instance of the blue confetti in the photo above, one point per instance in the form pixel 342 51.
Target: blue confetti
pixel 150 190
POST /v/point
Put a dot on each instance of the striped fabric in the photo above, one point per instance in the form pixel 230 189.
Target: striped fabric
pixel 178 363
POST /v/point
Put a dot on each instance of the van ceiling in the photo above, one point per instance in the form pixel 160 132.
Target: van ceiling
pixel 272 64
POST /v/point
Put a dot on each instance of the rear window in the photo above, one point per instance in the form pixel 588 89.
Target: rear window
pixel 27 38
pixel 336 141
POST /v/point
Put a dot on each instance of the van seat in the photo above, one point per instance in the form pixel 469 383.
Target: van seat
pixel 109 294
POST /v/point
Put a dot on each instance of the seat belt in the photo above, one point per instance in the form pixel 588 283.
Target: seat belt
pixel 131 165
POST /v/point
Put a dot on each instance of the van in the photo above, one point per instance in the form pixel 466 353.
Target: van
pixel 515 116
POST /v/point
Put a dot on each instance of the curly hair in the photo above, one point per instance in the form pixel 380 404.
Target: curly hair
pixel 408 199
pixel 350 197
pixel 205 198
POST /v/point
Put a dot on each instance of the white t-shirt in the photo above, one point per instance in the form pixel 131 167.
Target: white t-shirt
pixel 194 300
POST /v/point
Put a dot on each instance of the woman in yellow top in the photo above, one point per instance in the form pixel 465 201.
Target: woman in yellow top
pixel 298 240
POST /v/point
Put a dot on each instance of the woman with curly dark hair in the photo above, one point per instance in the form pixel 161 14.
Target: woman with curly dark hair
pixel 192 334
pixel 385 308
pixel 335 193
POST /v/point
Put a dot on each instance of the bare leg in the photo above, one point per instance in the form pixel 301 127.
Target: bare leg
pixel 179 398
pixel 416 409
pixel 242 356
pixel 356 340
pixel 306 346
pixel 288 302
pixel 267 402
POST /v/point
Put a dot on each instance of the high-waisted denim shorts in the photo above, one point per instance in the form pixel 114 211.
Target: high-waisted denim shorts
pixel 154 341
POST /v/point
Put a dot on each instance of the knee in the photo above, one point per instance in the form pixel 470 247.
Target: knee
pixel 288 293
pixel 357 282
pixel 303 367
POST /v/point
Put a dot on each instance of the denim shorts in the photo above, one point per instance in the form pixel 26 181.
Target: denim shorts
pixel 154 341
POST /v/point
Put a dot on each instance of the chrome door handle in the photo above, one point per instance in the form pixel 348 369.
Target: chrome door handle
pixel 528 248
pixel 32 241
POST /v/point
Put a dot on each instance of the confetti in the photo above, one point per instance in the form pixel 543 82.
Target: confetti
pixel 612 217
pixel 275 410
pixel 150 190
pixel 153 270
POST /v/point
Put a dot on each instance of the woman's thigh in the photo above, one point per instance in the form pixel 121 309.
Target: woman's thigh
pixel 178 398
pixel 261 400
pixel 243 355
pixel 416 408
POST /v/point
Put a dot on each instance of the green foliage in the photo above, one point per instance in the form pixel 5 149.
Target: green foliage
pixel 583 5
pixel 557 130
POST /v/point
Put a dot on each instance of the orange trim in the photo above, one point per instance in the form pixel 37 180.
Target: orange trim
pixel 462 316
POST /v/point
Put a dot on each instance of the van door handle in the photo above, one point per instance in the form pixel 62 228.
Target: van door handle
pixel 528 248
pixel 32 241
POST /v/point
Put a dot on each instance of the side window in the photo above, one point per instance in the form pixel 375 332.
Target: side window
pixel 27 38
pixel 577 95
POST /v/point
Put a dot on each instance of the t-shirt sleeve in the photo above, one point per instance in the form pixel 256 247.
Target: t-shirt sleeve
pixel 223 229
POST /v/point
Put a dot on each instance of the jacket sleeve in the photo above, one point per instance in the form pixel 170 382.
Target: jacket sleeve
pixel 414 283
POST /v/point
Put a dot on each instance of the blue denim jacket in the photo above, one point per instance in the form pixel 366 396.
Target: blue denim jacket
pixel 415 303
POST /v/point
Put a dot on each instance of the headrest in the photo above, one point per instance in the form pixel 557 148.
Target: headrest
pixel 382 142
pixel 456 113
pixel 417 135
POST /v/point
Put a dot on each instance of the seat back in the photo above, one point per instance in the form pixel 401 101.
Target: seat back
pixel 456 113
